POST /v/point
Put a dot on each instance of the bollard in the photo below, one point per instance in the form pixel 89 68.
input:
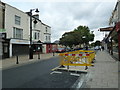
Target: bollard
pixel 53 54
pixel 68 67
pixel 38 55
pixel 17 62
pixel 86 67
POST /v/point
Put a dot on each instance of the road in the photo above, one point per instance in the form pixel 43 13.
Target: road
pixel 37 75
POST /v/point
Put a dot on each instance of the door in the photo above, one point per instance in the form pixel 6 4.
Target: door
pixel 5 50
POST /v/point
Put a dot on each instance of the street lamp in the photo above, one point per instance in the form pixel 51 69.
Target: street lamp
pixel 84 37
pixel 30 47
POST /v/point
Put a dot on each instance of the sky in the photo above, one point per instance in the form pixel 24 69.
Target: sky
pixel 66 15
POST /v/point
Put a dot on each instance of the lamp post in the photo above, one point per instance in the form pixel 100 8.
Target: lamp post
pixel 84 37
pixel 31 47
pixel 84 40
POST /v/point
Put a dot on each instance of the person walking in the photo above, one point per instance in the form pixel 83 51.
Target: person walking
pixel 102 48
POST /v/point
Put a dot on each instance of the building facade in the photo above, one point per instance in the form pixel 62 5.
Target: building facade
pixel 4 43
pixel 113 39
pixel 114 35
pixel 17 29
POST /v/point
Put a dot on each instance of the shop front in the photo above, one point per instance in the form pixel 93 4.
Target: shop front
pixel 37 47
pixel 4 53
pixel 114 41
pixel 19 47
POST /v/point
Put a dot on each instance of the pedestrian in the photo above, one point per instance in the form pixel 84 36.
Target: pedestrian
pixel 102 48
pixel 86 47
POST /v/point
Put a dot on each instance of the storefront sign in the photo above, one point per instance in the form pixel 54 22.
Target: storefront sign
pixel 118 26
pixel 17 41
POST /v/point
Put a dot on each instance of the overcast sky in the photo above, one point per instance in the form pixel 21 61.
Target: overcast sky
pixel 65 15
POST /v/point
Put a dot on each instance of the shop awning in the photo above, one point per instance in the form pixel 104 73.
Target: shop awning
pixel 37 42
pixel 105 29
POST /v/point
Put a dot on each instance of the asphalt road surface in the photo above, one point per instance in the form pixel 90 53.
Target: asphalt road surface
pixel 37 75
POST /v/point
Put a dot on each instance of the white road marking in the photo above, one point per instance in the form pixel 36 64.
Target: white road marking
pixel 30 60
pixel 55 72
pixel 74 74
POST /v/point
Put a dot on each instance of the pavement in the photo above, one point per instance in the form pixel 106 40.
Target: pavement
pixel 104 74
pixel 23 59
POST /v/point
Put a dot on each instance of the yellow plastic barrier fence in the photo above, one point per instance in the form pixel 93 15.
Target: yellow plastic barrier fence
pixel 77 58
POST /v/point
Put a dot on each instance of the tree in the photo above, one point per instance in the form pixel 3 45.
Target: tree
pixel 92 44
pixel 97 43
pixel 67 39
pixel 75 37
pixel 83 31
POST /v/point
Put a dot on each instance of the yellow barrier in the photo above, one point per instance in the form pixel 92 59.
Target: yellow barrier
pixel 77 58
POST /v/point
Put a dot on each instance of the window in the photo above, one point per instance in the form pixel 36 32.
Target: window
pixel 34 25
pixel 17 20
pixel 36 35
pixel 46 38
pixel 46 29
pixel 49 38
pixel 17 33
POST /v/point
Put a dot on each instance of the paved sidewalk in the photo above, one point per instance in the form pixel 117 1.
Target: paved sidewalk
pixel 105 72
pixel 23 59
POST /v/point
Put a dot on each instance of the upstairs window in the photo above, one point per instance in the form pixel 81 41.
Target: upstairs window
pixel 17 20
pixel 46 38
pixel 46 29
pixel 49 38
pixel 36 35
pixel 17 33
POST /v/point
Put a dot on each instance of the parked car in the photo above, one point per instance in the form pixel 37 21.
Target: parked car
pixel 97 48
pixel 59 50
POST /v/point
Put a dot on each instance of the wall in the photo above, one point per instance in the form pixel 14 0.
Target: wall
pixel 10 21
pixel 1 15
pixel 119 10
pixel 44 48
pixel 1 50
pixel 48 33
pixel 38 28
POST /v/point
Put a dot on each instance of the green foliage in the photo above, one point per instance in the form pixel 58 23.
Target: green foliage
pixel 92 44
pixel 97 43
pixel 75 37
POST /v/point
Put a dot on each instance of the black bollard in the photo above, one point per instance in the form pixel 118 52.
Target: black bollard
pixel 38 55
pixel 17 62
pixel 53 54
pixel 86 67
pixel 68 67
